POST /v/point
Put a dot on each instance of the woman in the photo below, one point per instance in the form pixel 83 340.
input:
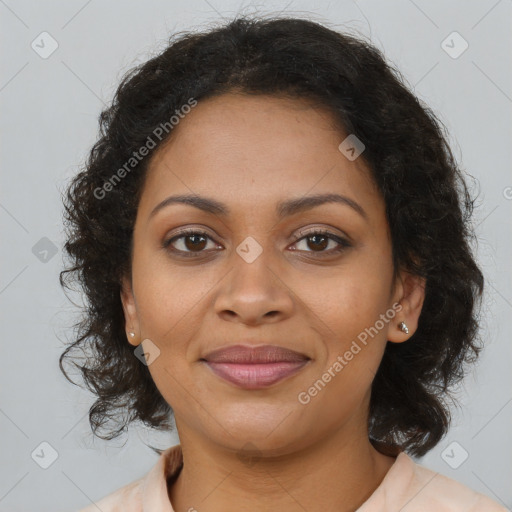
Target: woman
pixel 274 240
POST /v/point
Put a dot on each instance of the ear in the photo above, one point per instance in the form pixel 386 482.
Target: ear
pixel 410 293
pixel 130 312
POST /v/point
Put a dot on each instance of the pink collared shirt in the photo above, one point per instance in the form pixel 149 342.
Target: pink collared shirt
pixel 407 487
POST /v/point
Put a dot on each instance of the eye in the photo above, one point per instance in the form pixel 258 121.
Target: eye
pixel 193 243
pixel 320 239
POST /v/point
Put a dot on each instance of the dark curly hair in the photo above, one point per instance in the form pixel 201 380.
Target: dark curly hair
pixel 428 208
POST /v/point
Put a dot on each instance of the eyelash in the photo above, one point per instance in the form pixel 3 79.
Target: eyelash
pixel 343 244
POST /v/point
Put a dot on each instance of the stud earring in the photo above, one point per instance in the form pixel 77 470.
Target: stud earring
pixel 403 327
pixel 132 334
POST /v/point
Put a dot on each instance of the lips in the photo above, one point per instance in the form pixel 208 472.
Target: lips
pixel 244 354
pixel 255 367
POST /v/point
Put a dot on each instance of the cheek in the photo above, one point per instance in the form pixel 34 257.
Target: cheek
pixel 349 300
pixel 167 296
pixel 347 309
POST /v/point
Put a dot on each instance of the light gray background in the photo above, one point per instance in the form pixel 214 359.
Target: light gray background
pixel 49 121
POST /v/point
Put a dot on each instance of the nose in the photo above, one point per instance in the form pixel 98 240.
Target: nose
pixel 253 293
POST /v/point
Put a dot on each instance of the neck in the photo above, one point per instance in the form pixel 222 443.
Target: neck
pixel 337 473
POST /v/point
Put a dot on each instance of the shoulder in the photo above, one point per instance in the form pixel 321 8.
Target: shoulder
pixel 124 499
pixel 411 487
pixel 146 493
pixel 431 490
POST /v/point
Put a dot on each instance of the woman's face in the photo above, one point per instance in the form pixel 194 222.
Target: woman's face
pixel 255 275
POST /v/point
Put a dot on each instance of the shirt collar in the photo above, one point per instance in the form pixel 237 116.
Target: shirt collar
pixel 155 496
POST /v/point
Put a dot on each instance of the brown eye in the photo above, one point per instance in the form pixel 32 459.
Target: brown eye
pixel 190 242
pixel 194 242
pixel 318 241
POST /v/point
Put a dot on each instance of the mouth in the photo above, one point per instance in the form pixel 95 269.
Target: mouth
pixel 255 367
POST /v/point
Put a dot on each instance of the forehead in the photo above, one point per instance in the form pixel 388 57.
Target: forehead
pixel 252 152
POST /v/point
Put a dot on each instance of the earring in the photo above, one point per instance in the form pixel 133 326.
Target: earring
pixel 403 327
pixel 132 334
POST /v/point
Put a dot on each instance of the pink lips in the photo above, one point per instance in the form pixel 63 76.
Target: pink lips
pixel 255 367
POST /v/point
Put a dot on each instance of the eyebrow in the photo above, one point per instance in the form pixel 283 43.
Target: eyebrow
pixel 283 209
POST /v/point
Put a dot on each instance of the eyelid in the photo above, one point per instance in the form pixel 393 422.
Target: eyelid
pixel 326 229
pixel 186 232
pixel 196 228
pixel 343 241
pixel 295 236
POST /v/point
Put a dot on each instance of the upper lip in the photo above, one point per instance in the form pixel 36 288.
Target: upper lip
pixel 244 354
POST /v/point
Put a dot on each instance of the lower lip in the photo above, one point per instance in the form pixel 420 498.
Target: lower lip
pixel 255 376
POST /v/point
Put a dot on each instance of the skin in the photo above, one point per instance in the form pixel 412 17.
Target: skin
pixel 251 152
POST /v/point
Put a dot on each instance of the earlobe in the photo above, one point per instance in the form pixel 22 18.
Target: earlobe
pixel 411 297
pixel 130 311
